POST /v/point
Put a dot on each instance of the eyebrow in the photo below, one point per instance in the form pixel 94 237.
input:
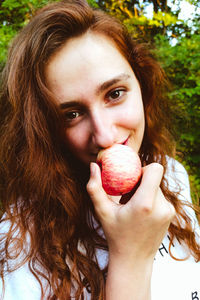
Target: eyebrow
pixel 102 87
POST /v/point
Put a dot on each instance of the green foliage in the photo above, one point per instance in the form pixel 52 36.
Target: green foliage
pixel 6 34
pixel 159 20
pixel 182 65
pixel 93 3
pixel 13 16
pixel 146 28
pixel 164 21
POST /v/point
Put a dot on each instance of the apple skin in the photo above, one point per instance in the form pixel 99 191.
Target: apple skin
pixel 120 169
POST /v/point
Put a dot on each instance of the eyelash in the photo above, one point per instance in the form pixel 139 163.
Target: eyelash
pixel 118 90
pixel 68 115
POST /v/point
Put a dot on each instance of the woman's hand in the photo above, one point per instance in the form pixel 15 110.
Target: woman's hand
pixel 138 226
pixel 134 231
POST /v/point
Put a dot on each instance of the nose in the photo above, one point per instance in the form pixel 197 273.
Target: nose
pixel 103 130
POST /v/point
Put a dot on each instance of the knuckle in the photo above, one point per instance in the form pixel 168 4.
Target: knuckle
pixel 169 213
pixel 152 175
pixel 172 211
pixel 145 208
pixel 158 168
pixel 91 187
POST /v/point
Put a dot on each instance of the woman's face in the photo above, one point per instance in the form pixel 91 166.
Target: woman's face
pixel 99 95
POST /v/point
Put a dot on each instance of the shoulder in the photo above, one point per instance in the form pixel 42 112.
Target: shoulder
pixel 21 285
pixel 19 282
pixel 14 253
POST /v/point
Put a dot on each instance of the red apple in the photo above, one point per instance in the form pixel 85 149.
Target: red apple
pixel 120 169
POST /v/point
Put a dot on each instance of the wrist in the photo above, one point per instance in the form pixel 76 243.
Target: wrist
pixel 128 278
pixel 131 262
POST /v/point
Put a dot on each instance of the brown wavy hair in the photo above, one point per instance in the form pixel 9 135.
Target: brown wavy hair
pixel 42 188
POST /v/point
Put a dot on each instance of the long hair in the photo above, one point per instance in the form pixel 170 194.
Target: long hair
pixel 42 190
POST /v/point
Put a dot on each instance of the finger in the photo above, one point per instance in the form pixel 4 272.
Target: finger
pixel 152 175
pixel 165 208
pixel 96 192
pixel 146 193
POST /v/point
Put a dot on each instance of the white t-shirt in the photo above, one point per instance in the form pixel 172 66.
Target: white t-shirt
pixel 171 279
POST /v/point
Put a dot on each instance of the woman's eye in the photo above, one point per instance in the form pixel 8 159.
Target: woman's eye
pixel 71 115
pixel 115 94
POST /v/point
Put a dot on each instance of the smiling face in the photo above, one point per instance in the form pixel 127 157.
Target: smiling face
pixel 99 95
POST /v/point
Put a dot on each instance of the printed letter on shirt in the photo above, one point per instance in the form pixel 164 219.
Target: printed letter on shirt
pixel 195 296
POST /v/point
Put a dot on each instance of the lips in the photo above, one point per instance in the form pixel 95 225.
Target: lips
pixel 95 153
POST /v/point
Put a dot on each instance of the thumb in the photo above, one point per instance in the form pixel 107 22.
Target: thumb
pixel 96 192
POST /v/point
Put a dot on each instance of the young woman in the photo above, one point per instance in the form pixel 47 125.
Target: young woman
pixel 75 83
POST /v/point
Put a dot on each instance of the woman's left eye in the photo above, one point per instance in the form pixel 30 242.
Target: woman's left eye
pixel 115 94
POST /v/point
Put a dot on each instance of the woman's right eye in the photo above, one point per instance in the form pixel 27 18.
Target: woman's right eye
pixel 71 116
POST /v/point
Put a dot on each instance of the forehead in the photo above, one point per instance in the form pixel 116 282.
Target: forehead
pixel 84 62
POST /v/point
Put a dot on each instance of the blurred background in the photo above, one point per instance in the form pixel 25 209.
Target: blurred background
pixel 172 30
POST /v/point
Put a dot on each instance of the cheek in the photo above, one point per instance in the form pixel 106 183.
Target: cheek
pixel 76 138
pixel 134 116
pixel 134 120
pixel 136 124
